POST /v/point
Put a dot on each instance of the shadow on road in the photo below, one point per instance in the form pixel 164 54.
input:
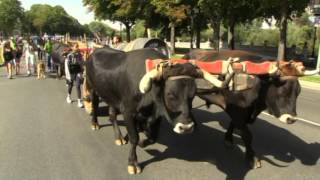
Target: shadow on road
pixel 206 145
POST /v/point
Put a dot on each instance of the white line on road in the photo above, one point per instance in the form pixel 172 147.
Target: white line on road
pixel 265 113
pixel 297 118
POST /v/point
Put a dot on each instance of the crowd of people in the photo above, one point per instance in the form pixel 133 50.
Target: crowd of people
pixel 34 51
pixel 14 50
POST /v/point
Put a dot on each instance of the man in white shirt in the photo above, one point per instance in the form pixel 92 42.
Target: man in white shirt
pixel 30 57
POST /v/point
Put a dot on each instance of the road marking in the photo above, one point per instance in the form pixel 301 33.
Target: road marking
pixel 297 118
pixel 265 113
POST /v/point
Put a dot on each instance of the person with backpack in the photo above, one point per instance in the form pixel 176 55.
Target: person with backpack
pixel 8 56
pixel 74 71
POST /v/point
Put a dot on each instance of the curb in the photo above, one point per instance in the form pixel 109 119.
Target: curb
pixel 310 85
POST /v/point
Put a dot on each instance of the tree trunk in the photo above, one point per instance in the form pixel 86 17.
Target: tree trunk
pixel 149 33
pixel 128 28
pixel 283 31
pixel 215 25
pixel 314 41
pixel 191 37
pixel 231 35
pixel 191 32
pixel 145 34
pixel 172 37
pixel 198 37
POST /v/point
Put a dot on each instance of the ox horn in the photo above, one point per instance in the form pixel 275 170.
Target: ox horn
pixel 312 72
pixel 146 81
pixel 215 81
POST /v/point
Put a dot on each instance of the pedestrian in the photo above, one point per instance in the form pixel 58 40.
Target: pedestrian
pixel 48 48
pixel 116 42
pixel 1 52
pixel 17 59
pixel 40 49
pixel 30 56
pixel 8 56
pixel 74 72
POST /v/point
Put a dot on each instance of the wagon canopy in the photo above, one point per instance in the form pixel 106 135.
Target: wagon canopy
pixel 141 43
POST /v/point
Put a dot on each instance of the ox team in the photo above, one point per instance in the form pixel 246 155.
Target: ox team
pixel 166 92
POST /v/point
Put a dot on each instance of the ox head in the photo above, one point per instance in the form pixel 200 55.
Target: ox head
pixel 295 68
pixel 178 88
pixel 282 97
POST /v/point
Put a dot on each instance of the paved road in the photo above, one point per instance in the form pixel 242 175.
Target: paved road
pixel 44 138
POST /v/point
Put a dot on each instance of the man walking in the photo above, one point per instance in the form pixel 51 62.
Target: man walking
pixel 48 49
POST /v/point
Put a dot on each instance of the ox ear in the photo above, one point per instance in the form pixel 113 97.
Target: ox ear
pixel 146 81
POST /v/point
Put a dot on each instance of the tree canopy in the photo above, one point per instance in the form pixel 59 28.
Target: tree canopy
pixel 11 13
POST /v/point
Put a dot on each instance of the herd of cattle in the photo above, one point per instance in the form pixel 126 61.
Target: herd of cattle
pixel 165 92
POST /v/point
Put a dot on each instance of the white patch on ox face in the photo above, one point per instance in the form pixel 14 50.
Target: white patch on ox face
pixel 183 128
pixel 285 117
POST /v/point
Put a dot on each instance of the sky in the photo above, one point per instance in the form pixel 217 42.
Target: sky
pixel 74 8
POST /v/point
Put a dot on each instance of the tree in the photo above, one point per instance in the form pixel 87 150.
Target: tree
pixel 231 12
pixel 38 15
pixel 125 11
pixel 45 18
pixel 100 29
pixel 282 11
pixel 214 17
pixel 175 11
pixel 11 13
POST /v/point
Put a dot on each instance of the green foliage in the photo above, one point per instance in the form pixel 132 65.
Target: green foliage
pixel 138 29
pixel 171 9
pixel 125 11
pixel 45 18
pixel 269 8
pixel 11 13
pixel 298 35
pixel 251 33
pixel 100 28
pixel 315 79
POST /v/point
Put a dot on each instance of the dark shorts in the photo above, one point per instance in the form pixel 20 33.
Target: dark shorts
pixel 9 62
pixel 75 78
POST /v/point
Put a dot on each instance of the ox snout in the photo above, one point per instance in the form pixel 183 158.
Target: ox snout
pixel 181 128
pixel 287 118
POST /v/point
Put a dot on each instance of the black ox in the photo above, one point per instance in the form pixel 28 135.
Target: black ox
pixel 143 98
pixel 59 53
pixel 277 95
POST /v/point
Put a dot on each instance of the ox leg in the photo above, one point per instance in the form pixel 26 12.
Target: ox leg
pixel 246 136
pixel 151 131
pixel 131 125
pixel 119 140
pixel 95 106
pixel 228 138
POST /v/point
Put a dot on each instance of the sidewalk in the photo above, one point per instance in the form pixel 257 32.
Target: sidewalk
pixel 310 85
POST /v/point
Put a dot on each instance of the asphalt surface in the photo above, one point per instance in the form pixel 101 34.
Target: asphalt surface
pixel 44 138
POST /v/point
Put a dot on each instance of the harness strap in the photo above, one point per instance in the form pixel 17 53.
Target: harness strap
pixel 172 78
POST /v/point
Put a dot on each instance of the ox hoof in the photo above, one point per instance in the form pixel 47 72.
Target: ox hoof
pixel 228 144
pixel 120 142
pixel 95 127
pixel 255 163
pixel 134 169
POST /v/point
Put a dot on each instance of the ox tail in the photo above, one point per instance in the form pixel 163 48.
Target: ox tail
pixel 87 95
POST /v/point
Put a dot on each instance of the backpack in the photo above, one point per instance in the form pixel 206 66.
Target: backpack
pixel 74 62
